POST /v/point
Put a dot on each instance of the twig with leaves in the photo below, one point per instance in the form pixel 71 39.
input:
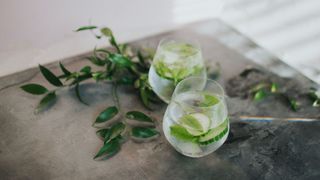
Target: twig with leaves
pixel 118 68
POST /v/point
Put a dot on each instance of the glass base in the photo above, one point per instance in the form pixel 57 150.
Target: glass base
pixel 190 149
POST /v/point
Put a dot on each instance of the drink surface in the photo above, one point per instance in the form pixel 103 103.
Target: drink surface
pixel 196 123
pixel 173 62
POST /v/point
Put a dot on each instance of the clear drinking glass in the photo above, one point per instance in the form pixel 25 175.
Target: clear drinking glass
pixel 174 60
pixel 196 120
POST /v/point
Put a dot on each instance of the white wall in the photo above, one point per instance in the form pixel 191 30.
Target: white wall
pixel 40 31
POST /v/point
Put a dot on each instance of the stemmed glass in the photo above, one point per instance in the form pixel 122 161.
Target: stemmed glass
pixel 175 59
pixel 196 120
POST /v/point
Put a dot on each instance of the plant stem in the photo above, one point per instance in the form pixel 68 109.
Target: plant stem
pixel 115 95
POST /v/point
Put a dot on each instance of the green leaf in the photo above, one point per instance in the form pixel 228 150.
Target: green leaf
pixel 47 100
pixel 274 87
pixel 181 133
pixel 190 121
pixel 140 58
pixel 138 116
pixel 144 98
pixel 290 101
pixel 51 78
pixel 107 114
pixel 35 89
pixel 316 103
pixel 137 83
pixel 86 28
pixel 116 130
pixel 294 105
pixel 106 32
pixel 98 75
pixel 86 70
pixel 259 95
pixel 65 71
pixel 77 91
pixel 96 61
pixel 104 133
pixel 258 87
pixel 124 48
pixel 108 149
pixel 81 78
pixel 209 100
pixel 126 80
pixel 120 60
pixel 314 95
pixel 144 132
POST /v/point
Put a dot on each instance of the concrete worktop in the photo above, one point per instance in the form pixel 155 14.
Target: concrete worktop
pixel 60 143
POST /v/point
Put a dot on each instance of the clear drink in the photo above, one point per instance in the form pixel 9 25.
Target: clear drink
pixel 196 120
pixel 174 61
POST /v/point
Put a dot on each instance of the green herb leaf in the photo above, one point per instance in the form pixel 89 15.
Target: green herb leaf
pixel 35 89
pixel 190 121
pixel 65 71
pixel 47 100
pixel 86 70
pixel 98 75
pixel 314 95
pixel 290 101
pixel 107 114
pixel 51 78
pixel 258 87
pixel 86 28
pixel 181 133
pixel 144 132
pixel 259 95
pixel 121 60
pixel 116 130
pixel 96 61
pixel 126 81
pixel 81 78
pixel 138 116
pixel 106 32
pixel 316 103
pixel 293 104
pixel 140 57
pixel 108 149
pixel 274 87
pixel 104 133
pixel 144 98
pixel 77 91
pixel 209 100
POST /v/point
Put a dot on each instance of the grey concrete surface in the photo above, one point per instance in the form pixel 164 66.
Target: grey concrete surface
pixel 60 142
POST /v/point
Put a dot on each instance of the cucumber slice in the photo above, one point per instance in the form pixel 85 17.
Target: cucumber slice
pixel 195 132
pixel 214 134
pixel 196 124
pixel 209 100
